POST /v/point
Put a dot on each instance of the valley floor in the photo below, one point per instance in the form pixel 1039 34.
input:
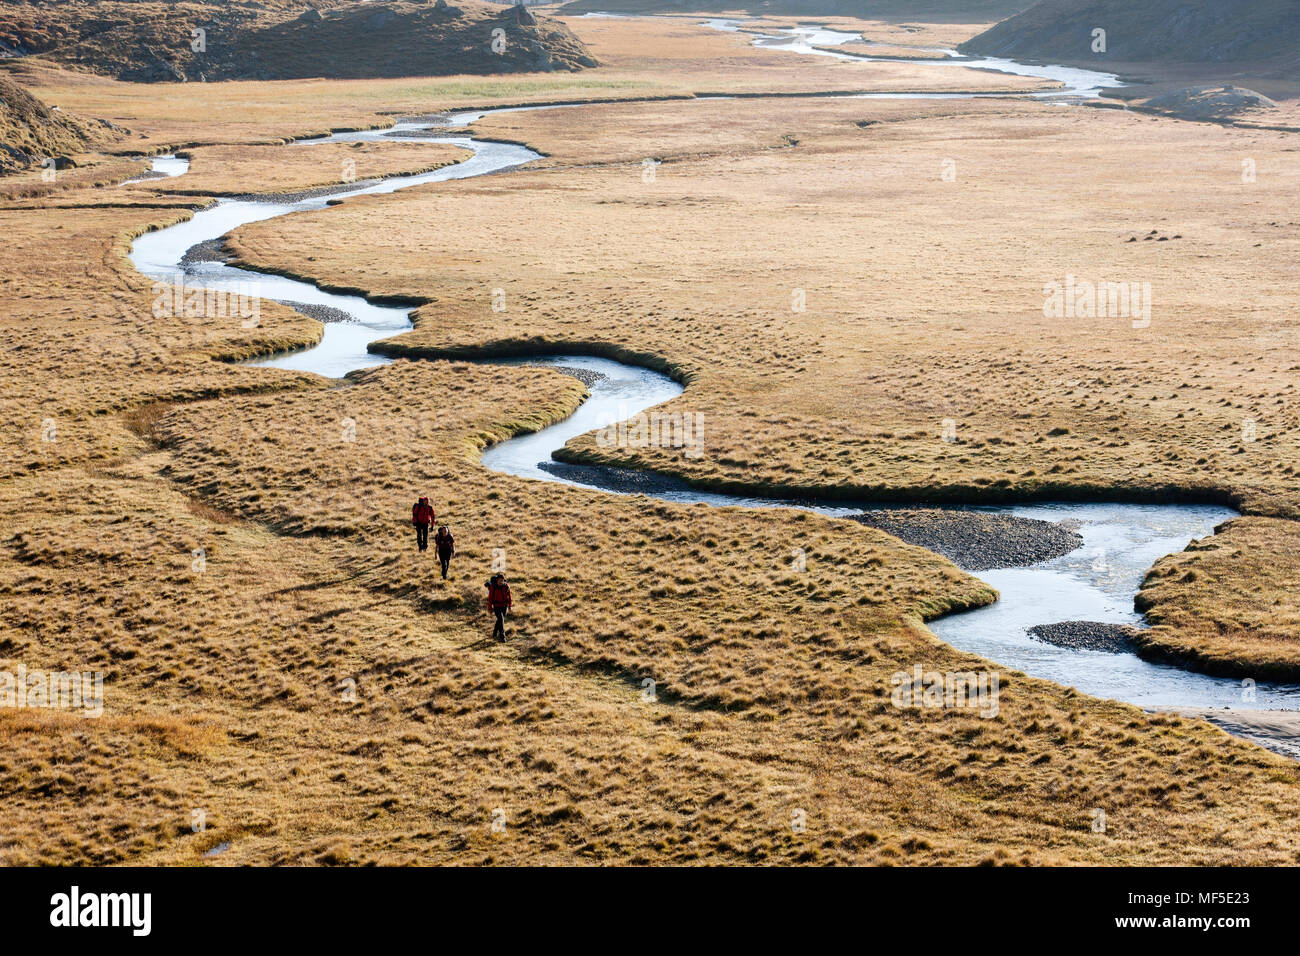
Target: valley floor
pixel 835 280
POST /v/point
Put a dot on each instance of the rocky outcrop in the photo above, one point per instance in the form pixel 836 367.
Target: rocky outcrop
pixel 1209 103
pixel 33 133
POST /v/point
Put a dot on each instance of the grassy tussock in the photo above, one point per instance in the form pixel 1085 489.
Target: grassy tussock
pixel 1228 604
pixel 81 342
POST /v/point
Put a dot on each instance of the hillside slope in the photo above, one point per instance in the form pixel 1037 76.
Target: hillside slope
pixel 155 40
pixel 30 131
pixel 1257 32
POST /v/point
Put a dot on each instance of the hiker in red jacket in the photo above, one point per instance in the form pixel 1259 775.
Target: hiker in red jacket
pixel 422 516
pixel 446 547
pixel 500 602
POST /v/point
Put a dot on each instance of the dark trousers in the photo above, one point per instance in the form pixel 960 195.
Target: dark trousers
pixel 422 536
pixel 499 629
pixel 444 560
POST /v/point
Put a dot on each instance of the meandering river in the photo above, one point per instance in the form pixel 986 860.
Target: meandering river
pixel 1095 583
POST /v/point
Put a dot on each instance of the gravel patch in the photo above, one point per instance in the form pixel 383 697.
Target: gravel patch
pixel 434 118
pixel 303 195
pixel 1088 636
pixel 321 313
pixel 210 250
pixel 626 480
pixel 977 540
pixel 586 376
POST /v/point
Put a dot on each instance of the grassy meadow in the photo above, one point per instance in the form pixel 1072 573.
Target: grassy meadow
pixel 227 170
pixel 840 208
pixel 288 681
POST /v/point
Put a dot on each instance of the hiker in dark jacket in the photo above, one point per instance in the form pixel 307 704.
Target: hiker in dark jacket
pixel 446 547
pixel 499 601
pixel 422 516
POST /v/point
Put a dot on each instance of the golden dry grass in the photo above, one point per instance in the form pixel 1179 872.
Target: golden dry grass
pixel 924 298
pixel 224 684
pixel 226 170
pixel 95 171
pixel 613 590
pixel 80 338
pixel 1230 604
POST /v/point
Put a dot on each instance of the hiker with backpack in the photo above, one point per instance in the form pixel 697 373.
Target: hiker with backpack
pixel 422 516
pixel 445 545
pixel 499 601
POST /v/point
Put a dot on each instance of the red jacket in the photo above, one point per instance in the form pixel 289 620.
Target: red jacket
pixel 422 512
pixel 499 595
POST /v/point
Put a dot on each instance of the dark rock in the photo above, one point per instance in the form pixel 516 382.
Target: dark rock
pixel 1261 33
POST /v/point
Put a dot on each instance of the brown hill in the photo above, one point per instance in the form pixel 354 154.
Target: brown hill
pixel 155 40
pixel 1258 33
pixel 31 131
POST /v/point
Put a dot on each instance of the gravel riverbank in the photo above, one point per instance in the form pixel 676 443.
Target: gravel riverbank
pixel 302 195
pixel 321 313
pixel 1276 730
pixel 977 540
pixel 626 480
pixel 145 177
pixel 210 250
pixel 1088 636
pixel 586 376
